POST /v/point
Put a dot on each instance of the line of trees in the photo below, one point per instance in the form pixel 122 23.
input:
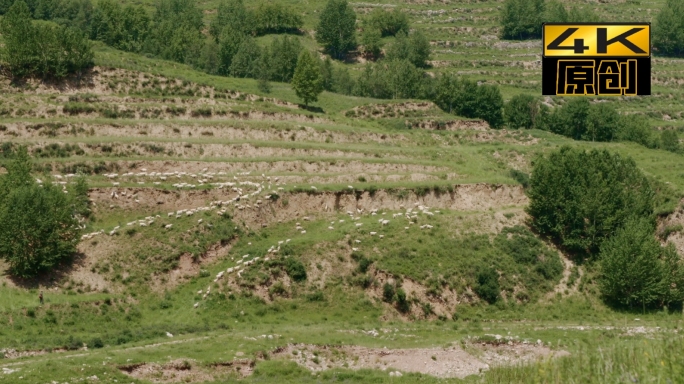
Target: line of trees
pixel 40 49
pixel 580 119
pixel 600 207
pixel 522 19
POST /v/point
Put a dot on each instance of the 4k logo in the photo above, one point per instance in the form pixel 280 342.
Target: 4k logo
pixel 591 59
pixel 597 40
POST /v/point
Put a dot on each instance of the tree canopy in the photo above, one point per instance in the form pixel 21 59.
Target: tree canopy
pixel 580 198
pixel 307 81
pixel 336 29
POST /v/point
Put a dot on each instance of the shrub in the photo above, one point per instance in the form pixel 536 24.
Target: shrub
pixel 669 141
pixel 580 198
pixel 96 343
pixel 636 270
pixel 414 47
pixel 522 19
pixel 487 285
pixel 521 177
pixel 316 296
pixel 388 292
pixel 388 23
pixel 295 269
pixel 521 111
pixel 275 18
pixel 402 303
pixel 465 98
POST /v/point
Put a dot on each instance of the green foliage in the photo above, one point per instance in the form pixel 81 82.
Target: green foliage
pixel 245 63
pixel 580 198
pixel 37 226
pixel 391 79
pixel 388 293
pixel 414 47
pixel 522 19
pixel 554 11
pixel 336 28
pixel 668 31
pixel 295 269
pixel 636 129
pixel 40 49
pixel 230 41
pixel 371 39
pixel 283 57
pixel 176 31
pixel 465 98
pixel 327 74
pixel 521 177
pixel 402 302
pixel 521 111
pixel 636 270
pixel 603 123
pixel 388 23
pixel 669 141
pixel 275 18
pixel 231 13
pixel 124 28
pixel 307 82
pixel 487 286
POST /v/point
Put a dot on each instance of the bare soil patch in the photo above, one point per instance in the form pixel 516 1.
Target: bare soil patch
pixel 187 371
pixel 451 362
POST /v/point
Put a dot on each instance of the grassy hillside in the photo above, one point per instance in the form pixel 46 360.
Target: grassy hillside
pixel 237 236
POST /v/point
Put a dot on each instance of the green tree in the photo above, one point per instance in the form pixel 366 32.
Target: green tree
pixel 275 18
pixel 520 111
pixel 414 48
pixel 245 61
pixel 37 224
pixel 389 23
pixel 603 122
pixel 522 19
pixel 336 28
pixel 20 51
pixel 283 60
pixel 636 128
pixel 489 105
pixel 571 119
pixel 372 43
pixel 580 198
pixel 668 31
pixel 229 44
pixel 307 82
pixel 231 13
pixel 632 272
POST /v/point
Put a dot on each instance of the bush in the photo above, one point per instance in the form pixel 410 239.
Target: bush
pixel 465 98
pixel 402 303
pixel 522 19
pixel 372 43
pixel 274 18
pixel 295 269
pixel 580 198
pixel 520 111
pixel 414 47
pixel 521 177
pixel 636 270
pixel 487 285
pixel 669 141
pixel 388 23
pixel 96 343
pixel 388 292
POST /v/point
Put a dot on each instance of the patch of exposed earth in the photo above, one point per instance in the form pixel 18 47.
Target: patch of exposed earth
pixel 188 371
pixel 451 362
